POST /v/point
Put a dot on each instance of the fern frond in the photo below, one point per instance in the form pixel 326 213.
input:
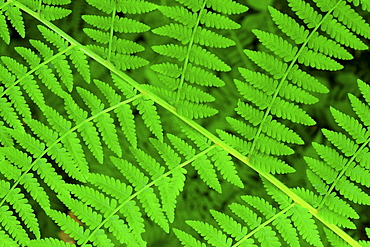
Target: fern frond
pixel 148 198
pixel 212 235
pixel 262 223
pixel 104 122
pixel 87 130
pixel 339 171
pixel 43 72
pixel 124 113
pixel 187 240
pixel 220 157
pixel 113 52
pixel 25 79
pixel 10 223
pixel 69 226
pixel 78 58
pixel 150 116
pixel 22 162
pixel 173 185
pixel 61 64
pixel 306 225
pixel 203 166
pixel 106 207
pixel 191 30
pixel 14 15
pixel 70 141
pixel 48 242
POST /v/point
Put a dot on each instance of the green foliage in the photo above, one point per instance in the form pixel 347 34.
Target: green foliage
pixel 160 124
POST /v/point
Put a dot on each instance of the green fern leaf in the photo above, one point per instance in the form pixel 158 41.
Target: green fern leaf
pixel 44 73
pixel 211 234
pixel 150 116
pixel 239 144
pixel 19 102
pixel 9 115
pixel 229 225
pixel 4 32
pixel 351 125
pixel 281 108
pixel 106 6
pixel 121 192
pixel 176 183
pixel 56 150
pixel 261 205
pixel 267 236
pixel 271 127
pixel 23 162
pixel 5 238
pixel 215 20
pixel 306 81
pixel 135 6
pixel 191 110
pixel 29 143
pixel 349 17
pixel 289 26
pixel 47 242
pixel 197 55
pixel 23 208
pixel 187 240
pixel 278 45
pixel 226 167
pixel 282 199
pixel 52 13
pixel 69 226
pixel 103 120
pixel 10 223
pixel 319 43
pixel 334 239
pixel 227 6
pixel 147 197
pixel 196 95
pixel 14 15
pixel 77 57
pixel 106 206
pixel 318 60
pixel 269 63
pixel 27 81
pixel 220 157
pixel 287 231
pixel 270 164
pixel 70 141
pixel 176 31
pixel 5 138
pixel 61 64
pixel 247 215
pixel 352 192
pixel 268 85
pixel 347 146
pixel 202 164
pixel 87 129
pixel 201 77
pixel 360 108
pixel 306 225
pixel 124 113
pixel 179 14
pixel 90 217
pixel 57 2
pixel 79 60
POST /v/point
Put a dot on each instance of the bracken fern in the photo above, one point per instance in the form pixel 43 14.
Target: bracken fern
pixel 79 133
